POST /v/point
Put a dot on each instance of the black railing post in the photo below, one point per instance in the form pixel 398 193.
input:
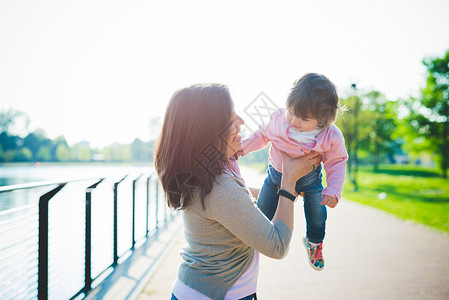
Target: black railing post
pixel 148 206
pixel 134 213
pixel 42 277
pixel 115 246
pixel 88 237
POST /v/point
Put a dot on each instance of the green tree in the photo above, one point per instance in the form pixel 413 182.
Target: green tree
pixel 139 150
pixel 349 124
pixel 118 153
pixel 62 152
pixel 10 119
pixel 60 140
pixel 22 154
pixel 44 154
pixel 35 140
pixel 9 142
pixel 380 121
pixel 8 155
pixel 429 114
pixel 81 152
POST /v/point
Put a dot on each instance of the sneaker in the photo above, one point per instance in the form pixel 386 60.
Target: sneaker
pixel 315 254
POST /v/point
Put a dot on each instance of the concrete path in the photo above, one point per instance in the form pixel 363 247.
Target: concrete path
pixel 369 255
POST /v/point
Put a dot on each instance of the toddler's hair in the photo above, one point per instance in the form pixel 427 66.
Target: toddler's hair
pixel 314 96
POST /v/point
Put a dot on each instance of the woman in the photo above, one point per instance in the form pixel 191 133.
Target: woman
pixel 223 227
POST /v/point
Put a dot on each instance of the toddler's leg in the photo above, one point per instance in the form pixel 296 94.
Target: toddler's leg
pixel 268 198
pixel 316 215
pixel 316 224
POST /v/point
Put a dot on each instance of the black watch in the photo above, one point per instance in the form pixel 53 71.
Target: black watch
pixel 282 192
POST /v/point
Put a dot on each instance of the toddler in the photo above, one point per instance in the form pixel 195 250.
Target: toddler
pixel 305 124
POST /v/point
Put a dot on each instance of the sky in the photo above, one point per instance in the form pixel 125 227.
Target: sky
pixel 103 71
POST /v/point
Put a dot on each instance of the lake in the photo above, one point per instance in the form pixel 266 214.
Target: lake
pixel 11 175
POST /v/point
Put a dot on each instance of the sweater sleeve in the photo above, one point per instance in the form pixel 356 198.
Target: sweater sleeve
pixel 234 208
pixel 335 166
pixel 258 140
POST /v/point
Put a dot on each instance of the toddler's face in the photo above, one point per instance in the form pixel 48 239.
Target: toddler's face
pixel 300 123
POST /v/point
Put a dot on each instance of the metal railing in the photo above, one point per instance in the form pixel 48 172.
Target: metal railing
pixel 44 257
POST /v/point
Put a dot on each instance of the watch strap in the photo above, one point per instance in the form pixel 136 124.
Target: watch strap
pixel 282 192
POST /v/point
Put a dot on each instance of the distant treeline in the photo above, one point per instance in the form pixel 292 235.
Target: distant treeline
pixel 36 147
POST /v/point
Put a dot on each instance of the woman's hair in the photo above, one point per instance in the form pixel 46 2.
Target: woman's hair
pixel 314 96
pixel 191 149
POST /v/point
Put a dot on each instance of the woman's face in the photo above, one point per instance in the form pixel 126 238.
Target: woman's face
pixel 234 140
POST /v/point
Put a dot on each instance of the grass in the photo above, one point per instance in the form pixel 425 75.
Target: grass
pixel 410 192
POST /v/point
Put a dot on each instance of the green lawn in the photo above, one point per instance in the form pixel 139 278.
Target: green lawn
pixel 411 193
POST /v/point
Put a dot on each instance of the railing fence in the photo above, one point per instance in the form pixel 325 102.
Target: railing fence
pixel 75 229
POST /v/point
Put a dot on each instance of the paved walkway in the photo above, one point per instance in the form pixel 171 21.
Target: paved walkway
pixel 369 255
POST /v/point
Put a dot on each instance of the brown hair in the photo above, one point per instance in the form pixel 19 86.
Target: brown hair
pixel 314 96
pixel 191 149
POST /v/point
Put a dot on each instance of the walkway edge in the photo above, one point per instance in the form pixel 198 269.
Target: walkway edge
pixel 130 277
pixel 144 281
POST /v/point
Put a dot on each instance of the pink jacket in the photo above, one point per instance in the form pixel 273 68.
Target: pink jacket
pixel 329 143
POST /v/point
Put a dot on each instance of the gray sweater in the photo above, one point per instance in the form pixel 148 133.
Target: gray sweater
pixel 221 238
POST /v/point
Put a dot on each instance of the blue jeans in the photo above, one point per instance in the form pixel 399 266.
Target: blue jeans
pixel 312 187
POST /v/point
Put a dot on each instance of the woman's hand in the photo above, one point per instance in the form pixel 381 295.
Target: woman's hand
pixel 292 170
pixel 295 168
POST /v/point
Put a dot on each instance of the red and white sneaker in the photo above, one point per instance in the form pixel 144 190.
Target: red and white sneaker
pixel 315 254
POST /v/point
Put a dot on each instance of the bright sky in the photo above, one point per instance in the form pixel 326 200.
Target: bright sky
pixel 99 71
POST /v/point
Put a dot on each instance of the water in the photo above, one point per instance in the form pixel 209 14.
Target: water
pixel 19 225
pixel 12 175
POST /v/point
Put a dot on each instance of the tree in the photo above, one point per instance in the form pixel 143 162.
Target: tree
pixel 81 152
pixel 35 141
pixel 429 114
pixel 9 142
pixel 139 150
pixel 60 143
pixel 44 154
pixel 349 125
pixel 10 122
pixel 62 152
pixel 117 153
pixel 380 119
pixel 23 154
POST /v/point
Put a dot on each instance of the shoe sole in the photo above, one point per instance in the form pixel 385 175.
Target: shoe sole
pixel 308 259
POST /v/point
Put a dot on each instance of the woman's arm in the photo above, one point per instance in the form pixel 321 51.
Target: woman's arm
pixel 230 204
pixel 292 170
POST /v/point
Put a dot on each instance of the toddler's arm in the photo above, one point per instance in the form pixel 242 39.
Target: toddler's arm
pixel 258 140
pixel 329 201
pixel 335 166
